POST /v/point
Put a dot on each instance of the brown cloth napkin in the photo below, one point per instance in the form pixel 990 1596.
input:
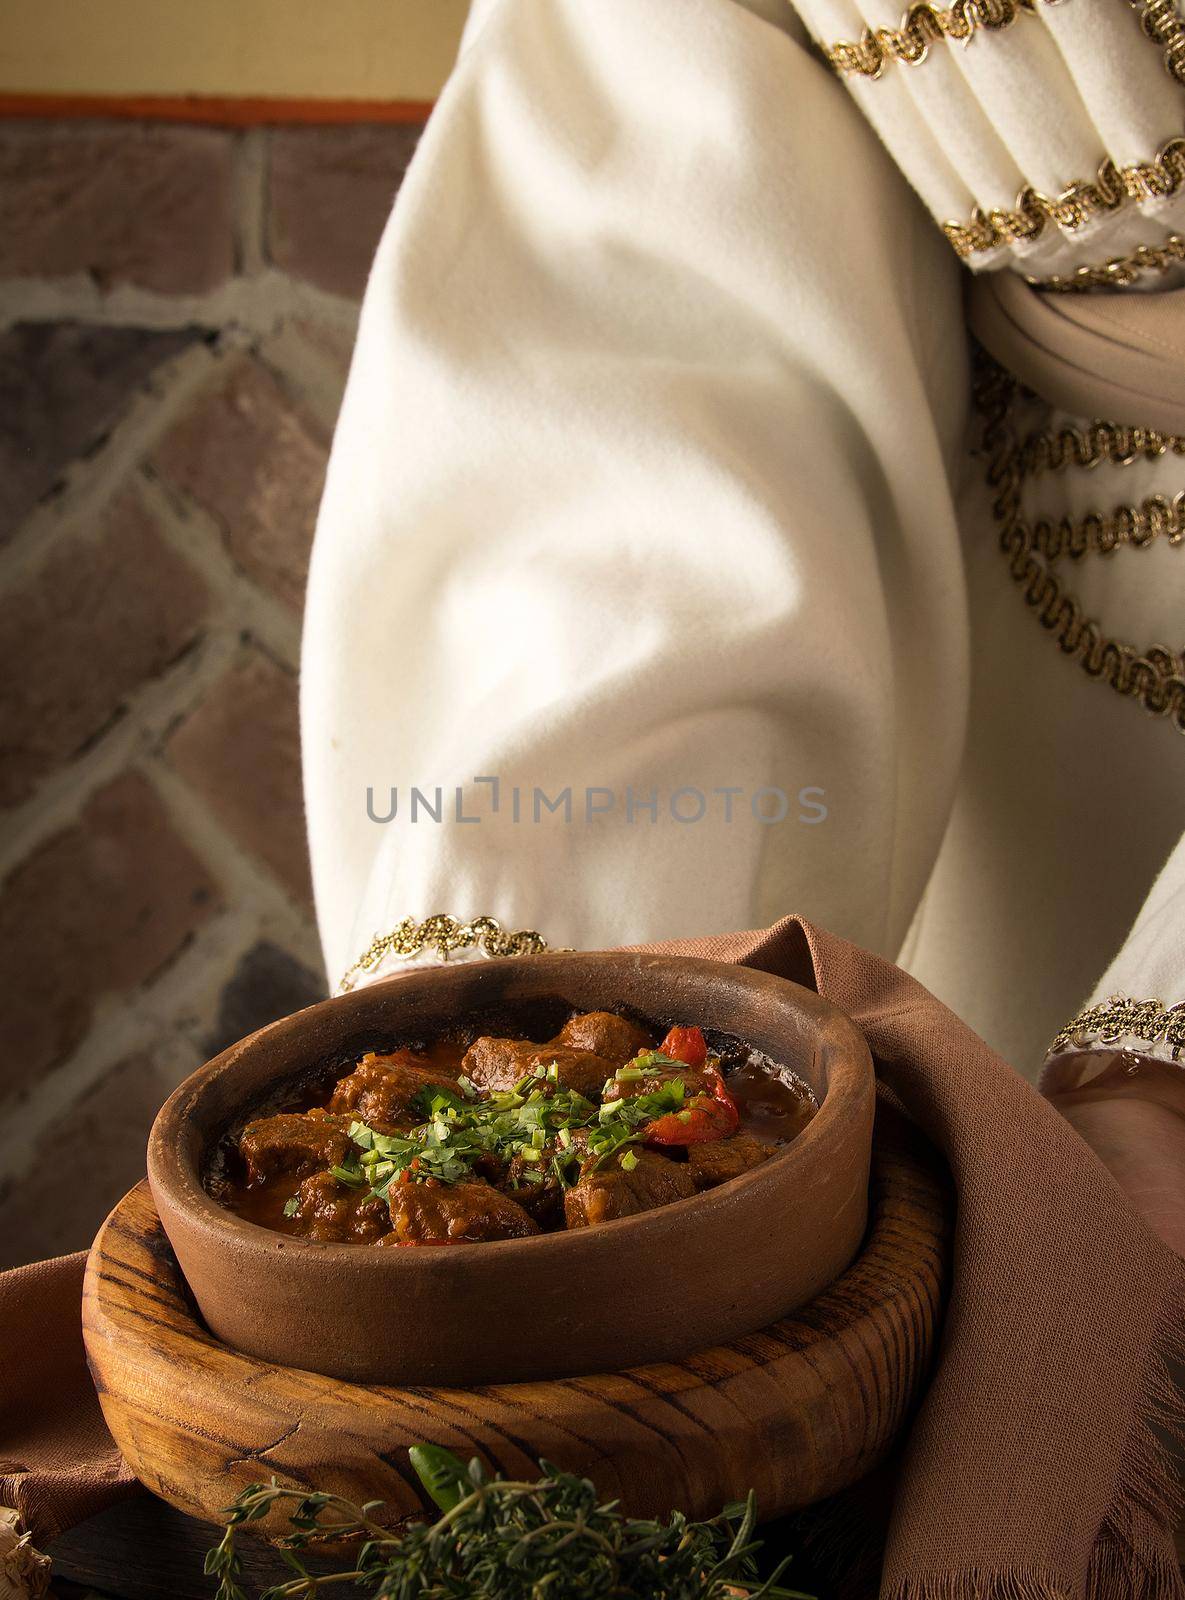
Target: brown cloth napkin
pixel 1038 1467
pixel 58 1463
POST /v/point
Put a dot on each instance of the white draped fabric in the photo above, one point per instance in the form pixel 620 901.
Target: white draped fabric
pixel 652 485
pixel 1037 104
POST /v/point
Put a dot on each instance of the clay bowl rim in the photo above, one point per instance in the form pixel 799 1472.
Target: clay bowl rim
pixel 178 1174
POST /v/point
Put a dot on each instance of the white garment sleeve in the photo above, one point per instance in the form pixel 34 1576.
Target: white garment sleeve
pixel 1046 135
pixel 641 485
pixel 1139 1002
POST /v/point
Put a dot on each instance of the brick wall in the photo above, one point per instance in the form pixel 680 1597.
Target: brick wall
pixel 177 308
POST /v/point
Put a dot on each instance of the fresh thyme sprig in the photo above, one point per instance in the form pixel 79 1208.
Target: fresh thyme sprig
pixel 499 1539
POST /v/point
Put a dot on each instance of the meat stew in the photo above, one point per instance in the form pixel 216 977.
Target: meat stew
pixel 504 1138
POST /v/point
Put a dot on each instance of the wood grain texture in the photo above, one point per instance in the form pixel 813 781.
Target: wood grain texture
pixel 796 1411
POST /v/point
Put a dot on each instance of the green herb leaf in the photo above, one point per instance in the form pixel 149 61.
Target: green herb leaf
pixel 430 1101
pixel 442 1473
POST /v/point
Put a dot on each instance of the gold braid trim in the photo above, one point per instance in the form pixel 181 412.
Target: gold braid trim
pixel 444 935
pixel 1120 270
pixel 1160 22
pixel 1149 1021
pixel 1076 205
pixel 1155 678
pixel 922 25
pixel 1101 441
pixel 1099 533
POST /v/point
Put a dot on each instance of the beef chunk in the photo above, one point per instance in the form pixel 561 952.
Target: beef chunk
pixel 722 1159
pixel 381 1089
pixel 612 1038
pixel 459 1212
pixel 498 1064
pixel 611 1191
pixel 586 1051
pixel 293 1142
pixel 329 1210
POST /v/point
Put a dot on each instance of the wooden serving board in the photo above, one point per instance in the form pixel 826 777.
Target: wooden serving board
pixel 796 1411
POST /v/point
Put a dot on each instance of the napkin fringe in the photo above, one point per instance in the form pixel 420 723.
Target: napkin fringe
pixel 975 1584
pixel 1133 1555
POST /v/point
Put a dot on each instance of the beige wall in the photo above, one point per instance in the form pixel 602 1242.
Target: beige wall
pixel 305 49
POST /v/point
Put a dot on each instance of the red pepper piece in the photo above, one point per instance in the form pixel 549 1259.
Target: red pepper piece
pixel 687 1045
pixel 706 1117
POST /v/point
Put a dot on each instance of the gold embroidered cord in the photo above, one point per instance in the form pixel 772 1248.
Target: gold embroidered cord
pixel 1155 678
pixel 1160 22
pixel 1149 1021
pixel 1102 441
pixel 1075 206
pixel 1120 270
pixel 1102 533
pixel 444 935
pixel 922 25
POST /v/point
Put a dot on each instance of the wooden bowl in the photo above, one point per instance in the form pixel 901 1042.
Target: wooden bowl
pixel 796 1411
pixel 644 1288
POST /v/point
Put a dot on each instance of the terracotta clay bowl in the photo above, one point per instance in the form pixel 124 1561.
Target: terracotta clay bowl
pixel 645 1288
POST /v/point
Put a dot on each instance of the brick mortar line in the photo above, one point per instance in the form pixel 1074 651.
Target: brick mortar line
pixel 154 709
pixel 215 956
pixel 250 184
pixel 284 376
pixel 238 607
pixel 116 1033
pixel 257 302
pixel 242 879
pixel 197 538
pixel 181 1002
pixel 255 905
pixel 166 1017
pixel 240 616
pixel 92 484
pixel 306 371
pixel 137 742
pixel 119 1028
pixel 125 1025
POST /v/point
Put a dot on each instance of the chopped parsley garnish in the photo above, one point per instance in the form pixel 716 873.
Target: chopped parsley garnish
pixel 647 1061
pixel 534 1122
